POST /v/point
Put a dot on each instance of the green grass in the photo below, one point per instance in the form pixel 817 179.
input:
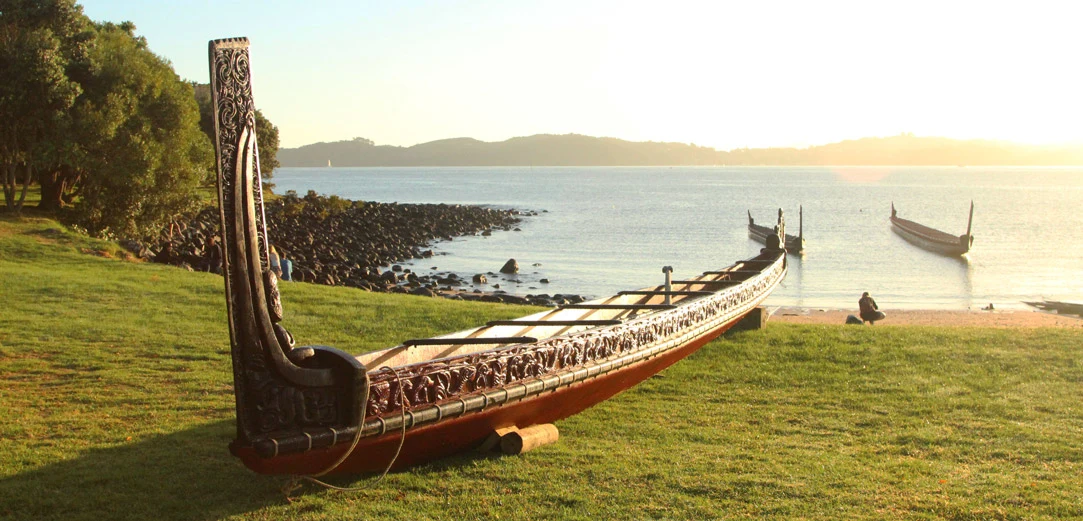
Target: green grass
pixel 116 403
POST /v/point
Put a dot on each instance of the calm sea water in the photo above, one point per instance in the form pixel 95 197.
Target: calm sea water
pixel 605 229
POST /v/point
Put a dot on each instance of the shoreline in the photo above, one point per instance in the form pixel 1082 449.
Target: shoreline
pixel 930 317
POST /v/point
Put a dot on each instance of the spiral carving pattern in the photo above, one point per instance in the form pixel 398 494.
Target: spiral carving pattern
pixel 267 403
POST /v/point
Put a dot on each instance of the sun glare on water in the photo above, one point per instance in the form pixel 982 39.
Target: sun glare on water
pixel 861 174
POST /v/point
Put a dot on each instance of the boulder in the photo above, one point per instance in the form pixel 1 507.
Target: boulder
pixel 510 267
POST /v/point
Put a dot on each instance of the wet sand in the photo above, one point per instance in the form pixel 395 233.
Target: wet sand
pixel 932 317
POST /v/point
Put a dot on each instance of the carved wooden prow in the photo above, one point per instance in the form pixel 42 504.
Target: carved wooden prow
pixel 781 228
pixel 777 240
pixel 281 392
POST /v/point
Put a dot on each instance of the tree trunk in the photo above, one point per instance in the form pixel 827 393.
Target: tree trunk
pixel 53 186
pixel 26 185
pixel 9 186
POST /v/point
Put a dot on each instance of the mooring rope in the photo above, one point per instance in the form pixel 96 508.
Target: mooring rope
pixel 293 483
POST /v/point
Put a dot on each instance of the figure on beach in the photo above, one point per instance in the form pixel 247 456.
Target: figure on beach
pixel 870 312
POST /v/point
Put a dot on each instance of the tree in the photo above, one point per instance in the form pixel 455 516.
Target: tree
pixel 43 45
pixel 87 109
pixel 267 143
pixel 266 132
pixel 143 154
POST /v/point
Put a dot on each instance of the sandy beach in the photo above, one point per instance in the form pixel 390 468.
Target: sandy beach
pixel 932 317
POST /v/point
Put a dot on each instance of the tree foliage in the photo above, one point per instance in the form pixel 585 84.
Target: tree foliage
pixel 139 124
pixel 267 143
pixel 95 116
pixel 43 53
pixel 266 132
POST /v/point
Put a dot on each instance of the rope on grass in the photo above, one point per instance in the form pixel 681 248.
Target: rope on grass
pixel 293 484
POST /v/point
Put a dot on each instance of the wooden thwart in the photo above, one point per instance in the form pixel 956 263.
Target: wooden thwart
pixel 673 293
pixel 553 322
pixel 717 282
pixel 618 306
pixel 469 341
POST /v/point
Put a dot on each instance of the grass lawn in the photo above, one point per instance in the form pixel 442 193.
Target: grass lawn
pixel 116 403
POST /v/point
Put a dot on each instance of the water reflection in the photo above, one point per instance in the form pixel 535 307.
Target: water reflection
pixel 794 279
pixel 962 264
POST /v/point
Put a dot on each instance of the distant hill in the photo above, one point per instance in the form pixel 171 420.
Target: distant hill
pixel 578 150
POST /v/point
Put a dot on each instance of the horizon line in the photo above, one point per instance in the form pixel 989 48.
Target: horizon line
pixel 1061 144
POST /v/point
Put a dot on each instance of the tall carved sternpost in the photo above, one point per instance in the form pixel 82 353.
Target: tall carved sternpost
pixel 282 392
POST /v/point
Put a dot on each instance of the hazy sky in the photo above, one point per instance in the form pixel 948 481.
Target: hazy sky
pixel 715 73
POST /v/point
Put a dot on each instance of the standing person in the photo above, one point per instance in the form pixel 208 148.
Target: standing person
pixel 275 262
pixel 287 267
pixel 870 312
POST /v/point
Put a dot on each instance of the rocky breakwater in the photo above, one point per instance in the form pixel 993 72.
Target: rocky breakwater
pixel 334 241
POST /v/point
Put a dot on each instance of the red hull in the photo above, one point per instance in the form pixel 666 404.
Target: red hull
pixel 455 435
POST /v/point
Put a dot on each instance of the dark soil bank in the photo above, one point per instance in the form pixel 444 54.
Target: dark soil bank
pixel 334 241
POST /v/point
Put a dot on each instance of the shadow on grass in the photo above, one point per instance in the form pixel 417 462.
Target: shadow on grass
pixel 183 475
pixel 435 472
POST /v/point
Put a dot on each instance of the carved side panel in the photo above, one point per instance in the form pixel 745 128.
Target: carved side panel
pixel 429 383
pixel 278 390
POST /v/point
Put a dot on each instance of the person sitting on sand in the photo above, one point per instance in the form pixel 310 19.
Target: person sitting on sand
pixel 870 312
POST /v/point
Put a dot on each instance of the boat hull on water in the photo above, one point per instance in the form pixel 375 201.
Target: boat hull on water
pixel 1059 307
pixel 315 410
pixel 932 239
